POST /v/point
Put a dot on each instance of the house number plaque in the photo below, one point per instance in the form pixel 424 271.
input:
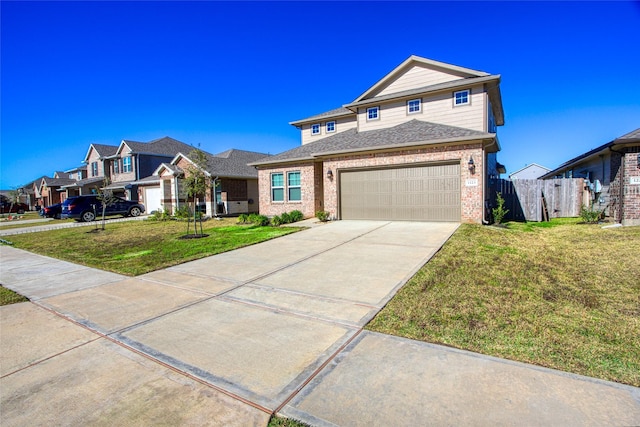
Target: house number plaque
pixel 472 183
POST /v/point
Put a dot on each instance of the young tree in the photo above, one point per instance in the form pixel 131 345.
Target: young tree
pixel 106 198
pixel 196 183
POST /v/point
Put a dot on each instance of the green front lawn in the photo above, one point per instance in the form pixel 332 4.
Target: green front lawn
pixel 7 296
pixel 138 247
pixel 561 294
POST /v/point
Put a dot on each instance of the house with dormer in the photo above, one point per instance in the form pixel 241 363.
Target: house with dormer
pixel 420 145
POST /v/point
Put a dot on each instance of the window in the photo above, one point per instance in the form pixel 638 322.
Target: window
pixel 116 166
pixel 79 175
pixel 293 184
pixel 277 187
pixel 413 106
pixel 94 169
pixel 372 113
pixel 126 164
pixel 70 176
pixel 461 97
pixel 315 129
pixel 331 127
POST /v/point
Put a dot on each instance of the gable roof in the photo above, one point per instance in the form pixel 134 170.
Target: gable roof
pixel 165 146
pixel 335 113
pixel 56 182
pixel 229 164
pixel 408 134
pixel 529 166
pixel 102 150
pixel 83 182
pixel 632 138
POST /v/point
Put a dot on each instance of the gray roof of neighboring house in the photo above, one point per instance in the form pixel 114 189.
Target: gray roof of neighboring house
pixel 411 133
pixel 57 182
pixel 165 146
pixel 631 137
pixel 83 182
pixel 151 179
pixel 234 163
pixel 336 112
pixel 105 150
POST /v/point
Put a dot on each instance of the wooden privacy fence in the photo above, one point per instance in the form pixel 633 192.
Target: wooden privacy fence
pixel 539 200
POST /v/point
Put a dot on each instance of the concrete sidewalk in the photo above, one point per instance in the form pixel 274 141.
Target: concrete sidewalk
pixel 50 224
pixel 277 326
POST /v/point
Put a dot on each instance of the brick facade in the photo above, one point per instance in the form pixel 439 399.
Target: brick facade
pixel 308 182
pixel 631 192
pixel 320 193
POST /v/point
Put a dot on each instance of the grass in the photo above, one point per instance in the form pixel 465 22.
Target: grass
pixel 138 247
pixel 7 296
pixel 560 294
pixel 21 224
pixel 277 421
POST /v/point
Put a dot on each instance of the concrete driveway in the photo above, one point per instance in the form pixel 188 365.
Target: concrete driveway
pixel 229 339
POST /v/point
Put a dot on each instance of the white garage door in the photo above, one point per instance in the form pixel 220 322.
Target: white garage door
pixel 414 193
pixel 152 199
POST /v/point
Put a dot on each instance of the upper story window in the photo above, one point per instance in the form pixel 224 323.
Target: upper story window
pixel 126 164
pixel 116 166
pixel 79 175
pixel 293 186
pixel 277 187
pixel 373 113
pixel 331 127
pixel 94 168
pixel 315 129
pixel 70 176
pixel 461 97
pixel 414 106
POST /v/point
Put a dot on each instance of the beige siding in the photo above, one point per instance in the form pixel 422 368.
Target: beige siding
pixel 418 76
pixel 342 124
pixel 436 108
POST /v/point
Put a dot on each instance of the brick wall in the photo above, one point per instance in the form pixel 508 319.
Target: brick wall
pixel 631 192
pixel 307 184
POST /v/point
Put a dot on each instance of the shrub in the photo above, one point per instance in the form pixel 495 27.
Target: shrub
pixel 286 218
pixel 322 216
pixel 296 216
pixel 261 220
pixel 591 215
pixel 276 221
pixel 160 215
pixel 182 212
pixel 243 218
pixel 499 212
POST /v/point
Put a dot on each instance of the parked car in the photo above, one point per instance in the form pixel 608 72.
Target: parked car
pixel 52 211
pixel 87 208
pixel 7 207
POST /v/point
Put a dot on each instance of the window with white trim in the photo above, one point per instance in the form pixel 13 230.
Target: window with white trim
pixel 373 113
pixel 277 187
pixel 315 129
pixel 126 164
pixel 94 168
pixel 414 106
pixel 331 127
pixel 461 97
pixel 116 166
pixel 294 191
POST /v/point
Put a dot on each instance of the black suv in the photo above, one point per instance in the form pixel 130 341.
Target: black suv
pixel 87 208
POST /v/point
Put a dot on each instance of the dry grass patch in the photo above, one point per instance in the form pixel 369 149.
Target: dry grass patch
pixel 563 295
pixel 7 296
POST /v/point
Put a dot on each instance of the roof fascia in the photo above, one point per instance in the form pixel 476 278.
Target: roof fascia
pixel 315 119
pixel 413 59
pixel 282 161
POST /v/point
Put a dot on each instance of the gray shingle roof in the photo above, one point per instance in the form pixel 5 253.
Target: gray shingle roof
pixel 57 182
pixel 336 112
pixel 234 163
pixel 105 150
pixel 83 182
pixel 414 132
pixel 164 146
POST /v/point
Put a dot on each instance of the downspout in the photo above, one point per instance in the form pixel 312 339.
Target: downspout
pixel 215 197
pixel 622 166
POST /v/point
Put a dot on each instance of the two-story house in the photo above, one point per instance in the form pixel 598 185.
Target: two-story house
pixel 419 144
pixel 135 160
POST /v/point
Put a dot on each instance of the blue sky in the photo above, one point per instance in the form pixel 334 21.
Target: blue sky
pixel 233 75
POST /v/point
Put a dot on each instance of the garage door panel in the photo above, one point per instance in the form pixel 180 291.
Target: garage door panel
pixel 417 193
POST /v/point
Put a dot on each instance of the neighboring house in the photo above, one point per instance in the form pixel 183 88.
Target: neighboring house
pixel 532 171
pixel 81 184
pixel 234 181
pixel 134 161
pixel 420 144
pixel 613 174
pixel 49 191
